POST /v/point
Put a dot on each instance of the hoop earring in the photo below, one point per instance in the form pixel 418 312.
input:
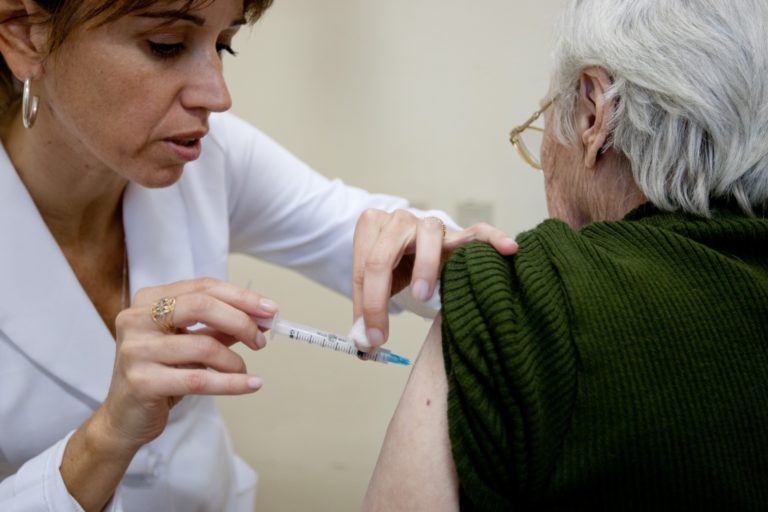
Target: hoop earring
pixel 28 105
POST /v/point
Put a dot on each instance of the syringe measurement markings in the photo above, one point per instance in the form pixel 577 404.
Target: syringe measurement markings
pixel 324 342
pixel 328 340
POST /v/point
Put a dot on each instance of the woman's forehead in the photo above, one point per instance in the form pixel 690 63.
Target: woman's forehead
pixel 116 10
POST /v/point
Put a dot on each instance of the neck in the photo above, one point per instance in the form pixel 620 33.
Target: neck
pixel 609 194
pixel 81 202
pixel 616 193
pixel 79 199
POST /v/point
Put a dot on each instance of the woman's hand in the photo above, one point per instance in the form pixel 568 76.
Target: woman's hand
pixel 393 250
pixel 154 368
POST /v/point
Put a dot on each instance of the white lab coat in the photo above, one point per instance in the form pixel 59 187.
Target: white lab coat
pixel 245 194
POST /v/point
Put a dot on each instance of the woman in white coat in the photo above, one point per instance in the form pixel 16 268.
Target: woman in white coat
pixel 120 177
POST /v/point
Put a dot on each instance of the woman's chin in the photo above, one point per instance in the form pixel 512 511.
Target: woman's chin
pixel 164 177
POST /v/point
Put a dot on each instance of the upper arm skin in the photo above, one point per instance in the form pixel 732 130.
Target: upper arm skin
pixel 415 470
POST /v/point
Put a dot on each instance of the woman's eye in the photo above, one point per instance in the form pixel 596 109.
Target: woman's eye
pixel 221 48
pixel 166 50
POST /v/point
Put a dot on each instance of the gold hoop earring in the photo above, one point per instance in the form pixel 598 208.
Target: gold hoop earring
pixel 28 105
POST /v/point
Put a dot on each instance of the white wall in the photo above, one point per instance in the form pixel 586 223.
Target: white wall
pixel 408 97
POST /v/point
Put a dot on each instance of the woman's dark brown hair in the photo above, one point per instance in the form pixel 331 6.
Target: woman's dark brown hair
pixel 64 16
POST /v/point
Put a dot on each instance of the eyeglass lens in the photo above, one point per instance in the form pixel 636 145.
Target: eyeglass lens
pixel 531 141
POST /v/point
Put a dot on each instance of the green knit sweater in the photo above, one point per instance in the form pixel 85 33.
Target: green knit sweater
pixel 620 367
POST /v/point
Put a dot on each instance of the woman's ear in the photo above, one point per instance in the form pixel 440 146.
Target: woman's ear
pixel 21 41
pixel 594 112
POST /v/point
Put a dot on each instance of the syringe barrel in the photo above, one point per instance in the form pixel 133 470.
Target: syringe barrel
pixel 326 340
pixel 274 325
pixel 379 355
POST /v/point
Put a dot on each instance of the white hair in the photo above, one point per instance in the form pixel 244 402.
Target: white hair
pixel 690 80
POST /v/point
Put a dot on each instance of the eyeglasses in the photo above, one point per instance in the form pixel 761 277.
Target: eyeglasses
pixel 527 139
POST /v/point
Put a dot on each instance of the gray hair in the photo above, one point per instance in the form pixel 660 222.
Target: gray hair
pixel 690 79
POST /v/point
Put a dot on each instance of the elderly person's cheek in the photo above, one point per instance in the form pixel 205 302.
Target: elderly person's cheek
pixel 549 166
pixel 565 182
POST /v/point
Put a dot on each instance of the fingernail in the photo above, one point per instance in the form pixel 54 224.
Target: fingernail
pixel 375 337
pixel 254 383
pixel 420 290
pixel 268 306
pixel 261 340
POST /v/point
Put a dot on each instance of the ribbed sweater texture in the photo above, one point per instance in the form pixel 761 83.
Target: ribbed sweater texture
pixel 620 367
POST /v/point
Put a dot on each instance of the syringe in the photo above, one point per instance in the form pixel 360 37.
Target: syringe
pixel 313 336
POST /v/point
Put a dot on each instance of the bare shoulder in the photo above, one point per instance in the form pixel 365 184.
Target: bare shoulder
pixel 415 470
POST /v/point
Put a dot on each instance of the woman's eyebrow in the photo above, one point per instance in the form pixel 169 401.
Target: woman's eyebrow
pixel 171 16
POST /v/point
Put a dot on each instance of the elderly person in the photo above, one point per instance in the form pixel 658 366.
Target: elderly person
pixel 619 360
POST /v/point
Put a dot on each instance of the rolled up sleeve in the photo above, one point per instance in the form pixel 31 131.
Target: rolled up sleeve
pixel 511 370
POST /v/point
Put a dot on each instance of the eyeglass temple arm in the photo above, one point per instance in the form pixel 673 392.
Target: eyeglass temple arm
pixel 517 131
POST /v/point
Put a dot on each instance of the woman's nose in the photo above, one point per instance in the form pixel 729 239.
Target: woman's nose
pixel 206 88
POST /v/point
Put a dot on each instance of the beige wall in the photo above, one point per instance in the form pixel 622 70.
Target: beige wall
pixel 409 97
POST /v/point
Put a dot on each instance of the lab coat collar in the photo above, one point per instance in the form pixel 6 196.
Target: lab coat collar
pixel 44 311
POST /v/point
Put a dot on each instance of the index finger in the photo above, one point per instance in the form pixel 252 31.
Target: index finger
pixel 241 298
pixel 482 232
pixel 366 233
pixel 394 238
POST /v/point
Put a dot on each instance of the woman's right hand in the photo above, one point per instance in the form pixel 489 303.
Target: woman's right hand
pixel 155 368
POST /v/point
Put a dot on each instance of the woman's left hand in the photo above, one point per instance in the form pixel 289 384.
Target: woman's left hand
pixel 393 250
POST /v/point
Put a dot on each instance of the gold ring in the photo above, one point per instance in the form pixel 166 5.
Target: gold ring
pixel 442 224
pixel 162 313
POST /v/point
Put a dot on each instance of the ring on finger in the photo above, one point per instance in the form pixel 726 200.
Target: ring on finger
pixel 162 313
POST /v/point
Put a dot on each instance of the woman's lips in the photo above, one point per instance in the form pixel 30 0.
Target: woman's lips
pixel 187 149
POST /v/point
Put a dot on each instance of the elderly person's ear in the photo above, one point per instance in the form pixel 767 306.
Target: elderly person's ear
pixel 21 39
pixel 594 113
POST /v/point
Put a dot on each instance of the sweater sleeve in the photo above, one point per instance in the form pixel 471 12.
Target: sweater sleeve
pixel 38 486
pixel 511 368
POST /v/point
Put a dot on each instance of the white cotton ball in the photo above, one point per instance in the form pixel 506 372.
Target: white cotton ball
pixel 357 335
